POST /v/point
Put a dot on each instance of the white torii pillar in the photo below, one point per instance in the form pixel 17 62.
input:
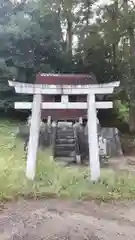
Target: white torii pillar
pixel 34 136
pixel 93 138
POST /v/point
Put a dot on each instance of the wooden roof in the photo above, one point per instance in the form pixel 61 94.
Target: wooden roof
pixel 60 79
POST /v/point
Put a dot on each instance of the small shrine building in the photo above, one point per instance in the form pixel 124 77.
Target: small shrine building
pixel 65 79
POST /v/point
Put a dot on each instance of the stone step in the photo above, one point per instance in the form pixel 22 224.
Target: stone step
pixel 69 144
pixel 65 126
pixel 65 141
pixel 65 130
pixel 65 148
pixel 65 160
pixel 64 135
pixel 64 153
pixel 59 131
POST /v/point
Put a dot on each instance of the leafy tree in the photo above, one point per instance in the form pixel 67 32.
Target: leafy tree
pixel 30 43
pixel 38 36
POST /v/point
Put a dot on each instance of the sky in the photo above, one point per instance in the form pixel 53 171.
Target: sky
pixel 100 2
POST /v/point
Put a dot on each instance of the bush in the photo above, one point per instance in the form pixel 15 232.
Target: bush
pixel 122 109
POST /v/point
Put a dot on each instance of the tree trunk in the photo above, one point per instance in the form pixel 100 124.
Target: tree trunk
pixel 69 38
pixel 59 13
pixel 88 11
pixel 115 41
pixel 132 118
pixel 67 7
pixel 130 31
pixel 114 56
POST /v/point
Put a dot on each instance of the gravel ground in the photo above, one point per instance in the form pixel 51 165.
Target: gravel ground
pixel 65 220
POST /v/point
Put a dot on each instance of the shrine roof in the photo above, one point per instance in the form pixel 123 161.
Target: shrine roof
pixel 60 79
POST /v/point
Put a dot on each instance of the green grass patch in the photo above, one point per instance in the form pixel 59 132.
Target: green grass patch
pixel 53 179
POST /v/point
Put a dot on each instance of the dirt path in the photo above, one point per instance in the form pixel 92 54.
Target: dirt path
pixel 56 219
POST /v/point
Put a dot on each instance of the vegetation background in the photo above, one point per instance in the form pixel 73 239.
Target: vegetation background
pixel 68 36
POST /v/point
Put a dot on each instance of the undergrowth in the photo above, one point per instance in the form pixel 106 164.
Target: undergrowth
pixel 52 179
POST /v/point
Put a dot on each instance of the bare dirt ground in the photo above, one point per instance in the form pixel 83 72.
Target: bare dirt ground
pixel 65 220
pixel 70 220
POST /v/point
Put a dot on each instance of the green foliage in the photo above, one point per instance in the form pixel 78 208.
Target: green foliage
pixel 38 36
pixel 30 43
pixel 123 111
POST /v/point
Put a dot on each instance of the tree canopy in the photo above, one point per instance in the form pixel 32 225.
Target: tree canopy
pixel 68 36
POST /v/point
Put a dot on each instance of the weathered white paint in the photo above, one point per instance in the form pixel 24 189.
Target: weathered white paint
pixel 54 124
pixel 23 105
pixel 102 146
pixel 54 86
pixel 64 105
pixel 29 121
pixel 64 99
pixel 49 120
pixel 66 91
pixel 78 159
pixel 93 139
pixel 34 137
pixel 63 89
pixel 81 120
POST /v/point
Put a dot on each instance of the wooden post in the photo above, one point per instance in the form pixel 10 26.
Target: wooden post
pixel 64 99
pixel 93 139
pixel 80 120
pixel 49 120
pixel 34 137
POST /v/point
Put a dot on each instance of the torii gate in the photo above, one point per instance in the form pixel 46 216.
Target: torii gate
pixel 37 90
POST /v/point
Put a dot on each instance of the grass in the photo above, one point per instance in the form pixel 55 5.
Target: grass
pixel 53 179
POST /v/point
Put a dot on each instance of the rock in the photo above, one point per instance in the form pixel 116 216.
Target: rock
pixel 111 135
pixel 44 136
pixel 22 131
pixel 109 141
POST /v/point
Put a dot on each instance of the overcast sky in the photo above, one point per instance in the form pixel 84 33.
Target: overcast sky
pixel 102 2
